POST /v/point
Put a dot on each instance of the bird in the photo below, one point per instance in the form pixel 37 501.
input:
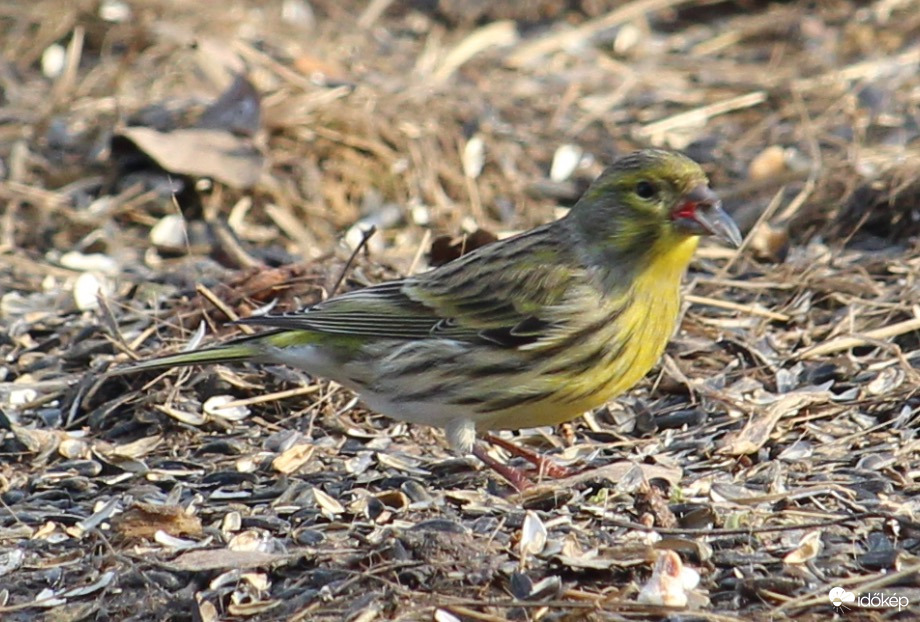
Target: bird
pixel 531 330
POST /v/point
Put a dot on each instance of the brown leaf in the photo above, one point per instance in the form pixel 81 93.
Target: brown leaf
pixel 446 248
pixel 143 520
pixel 198 152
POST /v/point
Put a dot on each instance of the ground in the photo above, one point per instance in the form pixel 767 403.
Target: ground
pixel 168 166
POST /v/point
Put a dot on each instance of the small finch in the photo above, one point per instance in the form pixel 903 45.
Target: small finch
pixel 530 331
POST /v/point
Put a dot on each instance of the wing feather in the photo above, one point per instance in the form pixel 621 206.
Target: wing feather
pixel 468 299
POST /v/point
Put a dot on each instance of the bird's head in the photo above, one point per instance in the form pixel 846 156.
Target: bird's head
pixel 647 200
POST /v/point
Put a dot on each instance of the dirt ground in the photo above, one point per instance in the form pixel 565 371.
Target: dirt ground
pixel 168 166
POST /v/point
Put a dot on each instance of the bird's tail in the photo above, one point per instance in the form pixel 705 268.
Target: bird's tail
pixel 235 351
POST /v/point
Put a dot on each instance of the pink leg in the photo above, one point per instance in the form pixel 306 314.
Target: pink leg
pixel 513 476
pixel 544 465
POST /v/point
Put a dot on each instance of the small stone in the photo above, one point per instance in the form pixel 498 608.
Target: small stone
pixel 768 163
pixel 474 156
pixel 170 232
pixel 87 289
pixel 565 161
pixel 54 58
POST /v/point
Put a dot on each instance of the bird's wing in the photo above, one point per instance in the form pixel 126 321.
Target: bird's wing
pixel 509 303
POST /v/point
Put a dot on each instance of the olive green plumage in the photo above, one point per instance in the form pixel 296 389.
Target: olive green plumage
pixel 532 330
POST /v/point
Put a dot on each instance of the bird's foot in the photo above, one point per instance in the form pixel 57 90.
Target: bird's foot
pixel 514 476
pixel 545 466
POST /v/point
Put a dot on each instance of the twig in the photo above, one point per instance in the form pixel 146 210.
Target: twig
pixel 365 236
pixel 472 614
pixel 417 258
pixel 372 13
pixel 68 78
pixel 767 213
pixel 273 397
pixel 734 306
pixel 535 50
pixel 866 338
pixel 716 532
pixel 500 34
pixel 819 596
pixel 871 68
pixel 295 229
pixel 699 116
pixel 211 297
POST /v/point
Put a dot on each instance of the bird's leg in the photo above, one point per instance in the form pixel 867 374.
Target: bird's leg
pixel 513 476
pixel 461 434
pixel 544 465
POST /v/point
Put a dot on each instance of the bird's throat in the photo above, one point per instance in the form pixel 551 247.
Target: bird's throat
pixel 668 259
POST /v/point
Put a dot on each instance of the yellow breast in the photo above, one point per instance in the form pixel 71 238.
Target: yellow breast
pixel 643 328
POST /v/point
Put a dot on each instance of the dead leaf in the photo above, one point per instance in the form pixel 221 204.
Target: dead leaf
pixel 143 520
pixel 758 430
pixel 196 152
pixel 294 458
pixel 446 248
pixel 220 559
pixel 809 548
pixel 36 441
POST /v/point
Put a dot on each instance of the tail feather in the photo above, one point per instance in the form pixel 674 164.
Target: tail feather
pixel 219 354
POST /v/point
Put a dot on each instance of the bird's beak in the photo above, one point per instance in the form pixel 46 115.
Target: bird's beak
pixel 700 213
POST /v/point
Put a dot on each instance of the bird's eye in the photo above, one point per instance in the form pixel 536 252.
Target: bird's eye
pixel 645 189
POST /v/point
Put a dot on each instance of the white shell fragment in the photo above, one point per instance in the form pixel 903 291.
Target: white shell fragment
pixel 628 37
pixel 90 262
pixel 183 416
pixel 533 535
pixel 565 161
pixel 114 11
pixel 73 448
pixel 54 598
pixel 87 290
pixel 327 504
pixel 221 406
pixel 11 560
pixel 445 616
pixel 231 523
pixel 19 397
pixel 474 156
pixel 250 540
pixel 669 583
pixel 170 232
pixel 810 546
pixel 53 60
pixel 293 458
pixel 172 542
